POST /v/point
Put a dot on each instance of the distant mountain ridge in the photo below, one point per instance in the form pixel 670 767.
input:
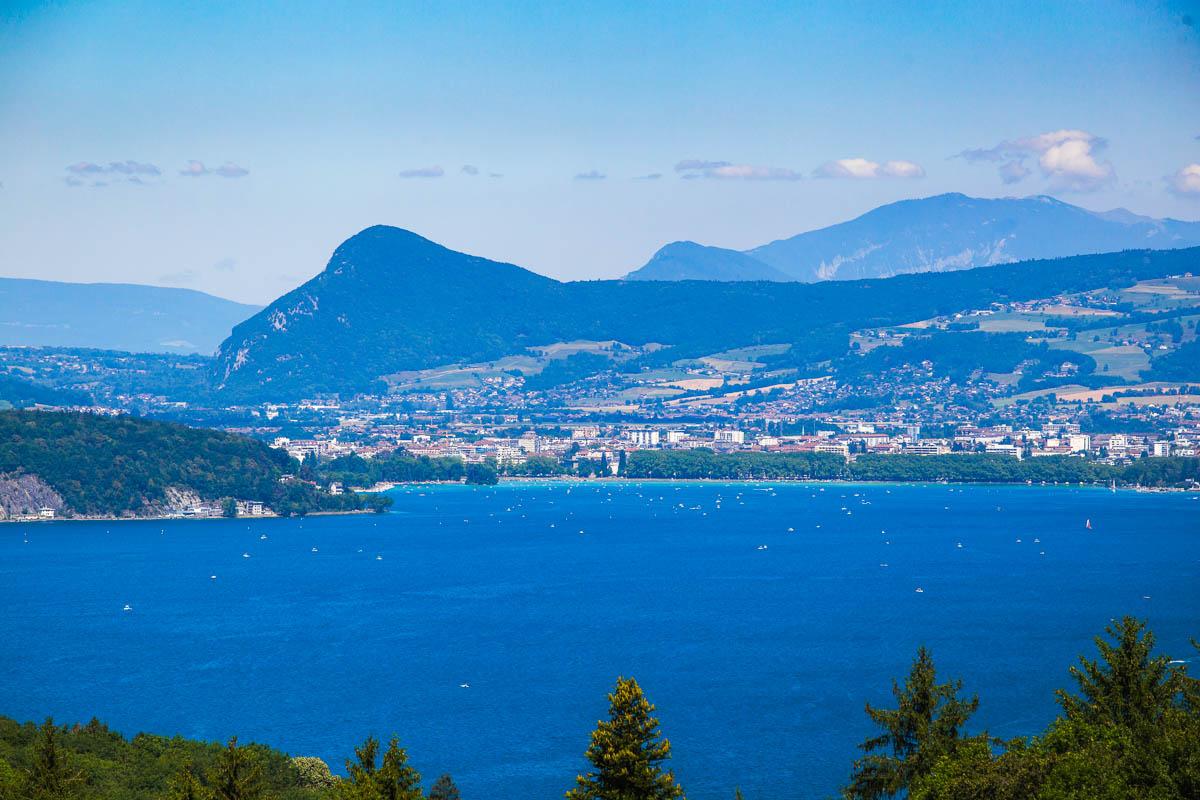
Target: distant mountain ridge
pixel 391 301
pixel 115 316
pixel 932 234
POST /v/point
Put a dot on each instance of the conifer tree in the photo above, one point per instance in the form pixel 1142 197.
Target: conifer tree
pixel 444 789
pixel 926 724
pixel 49 777
pixel 394 779
pixel 1127 686
pixel 627 752
pixel 236 775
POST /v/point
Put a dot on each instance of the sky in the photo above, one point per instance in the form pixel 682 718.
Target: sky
pixel 230 147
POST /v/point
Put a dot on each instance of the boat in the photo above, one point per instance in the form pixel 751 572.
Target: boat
pixel 1088 525
pixel 212 577
pixel 127 607
pixel 314 549
pixel 379 558
pixel 920 590
pixel 245 555
pixel 762 547
pixel 262 538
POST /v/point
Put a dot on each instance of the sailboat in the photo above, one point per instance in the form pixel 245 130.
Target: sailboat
pixel 1088 525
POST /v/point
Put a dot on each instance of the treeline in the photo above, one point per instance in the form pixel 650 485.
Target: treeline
pixel 123 466
pixel 705 464
pixel 1130 729
pixel 399 466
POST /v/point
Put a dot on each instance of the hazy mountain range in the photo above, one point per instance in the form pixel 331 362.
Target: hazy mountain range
pixel 390 300
pixel 933 234
pixel 115 316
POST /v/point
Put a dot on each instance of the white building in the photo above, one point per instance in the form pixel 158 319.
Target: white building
pixel 1079 442
pixel 646 437
pixel 729 437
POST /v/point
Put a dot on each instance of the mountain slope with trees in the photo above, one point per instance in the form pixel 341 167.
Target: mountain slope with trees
pixel 391 300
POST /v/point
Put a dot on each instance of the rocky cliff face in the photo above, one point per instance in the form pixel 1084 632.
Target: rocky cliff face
pixel 26 496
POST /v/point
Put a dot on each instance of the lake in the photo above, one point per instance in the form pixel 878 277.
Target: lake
pixel 485 626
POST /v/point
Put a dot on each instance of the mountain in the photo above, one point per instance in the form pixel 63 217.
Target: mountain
pixel 115 316
pixel 688 261
pixel 933 234
pixel 390 300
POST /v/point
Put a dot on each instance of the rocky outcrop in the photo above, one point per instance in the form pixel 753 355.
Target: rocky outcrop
pixel 27 496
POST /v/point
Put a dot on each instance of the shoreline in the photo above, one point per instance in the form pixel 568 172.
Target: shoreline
pixel 518 480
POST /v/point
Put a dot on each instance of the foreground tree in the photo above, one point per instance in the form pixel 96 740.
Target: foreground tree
pixel 444 789
pixel 925 726
pixel 186 785
pixel 627 753
pixel 236 775
pixel 49 777
pixel 1127 686
pixel 394 779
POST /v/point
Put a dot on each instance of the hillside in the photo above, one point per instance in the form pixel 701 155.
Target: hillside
pixel 115 316
pixel 126 466
pixel 933 234
pixel 391 300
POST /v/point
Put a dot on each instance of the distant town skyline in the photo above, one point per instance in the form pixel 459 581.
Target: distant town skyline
pixel 230 149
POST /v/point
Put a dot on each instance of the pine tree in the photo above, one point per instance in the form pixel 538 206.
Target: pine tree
pixel 396 779
pixel 444 789
pixel 925 725
pixel 236 775
pixel 1127 686
pixel 49 777
pixel 627 752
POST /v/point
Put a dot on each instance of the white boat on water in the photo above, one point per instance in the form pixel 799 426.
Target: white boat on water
pixel 127 607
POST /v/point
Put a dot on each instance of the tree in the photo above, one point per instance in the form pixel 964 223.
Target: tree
pixel 1127 686
pixel 49 777
pixel 444 789
pixel 236 775
pixel 314 772
pixel 394 779
pixel 229 507
pixel 186 785
pixel 925 725
pixel 627 752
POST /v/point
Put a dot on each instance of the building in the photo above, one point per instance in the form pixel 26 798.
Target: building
pixel 646 437
pixel 729 437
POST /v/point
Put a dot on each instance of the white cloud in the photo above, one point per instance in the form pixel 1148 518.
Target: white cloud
pixel 194 169
pixel 694 168
pixel 231 170
pixel 591 175
pixel 470 169
pixel 653 176
pixel 1067 158
pixel 862 168
pixel 423 172
pixel 1185 182
pixel 135 172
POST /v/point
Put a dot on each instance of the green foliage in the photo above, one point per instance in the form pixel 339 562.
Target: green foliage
pixel 567 370
pixel 1132 731
pixel 482 474
pixel 49 776
pixel 1181 364
pixel 20 393
pixel 701 463
pixel 444 789
pixel 237 775
pixel 925 726
pixel 627 752
pixel 394 467
pixel 124 465
pixel 314 773
pixel 394 779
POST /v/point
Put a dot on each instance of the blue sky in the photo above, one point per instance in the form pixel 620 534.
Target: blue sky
pixel 231 147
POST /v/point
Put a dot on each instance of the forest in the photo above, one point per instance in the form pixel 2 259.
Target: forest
pixel 1128 726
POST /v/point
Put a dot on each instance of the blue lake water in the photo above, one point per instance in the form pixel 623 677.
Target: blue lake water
pixel 759 660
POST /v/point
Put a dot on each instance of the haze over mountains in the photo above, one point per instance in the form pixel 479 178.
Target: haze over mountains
pixel 391 301
pixel 115 316
pixel 933 234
